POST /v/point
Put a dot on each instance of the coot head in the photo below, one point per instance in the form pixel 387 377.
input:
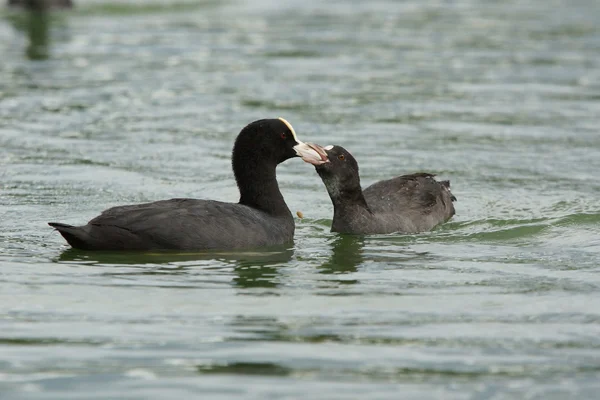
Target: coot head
pixel 270 142
pixel 257 151
pixel 339 173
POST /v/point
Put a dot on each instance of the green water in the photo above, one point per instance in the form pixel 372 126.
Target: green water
pixel 117 103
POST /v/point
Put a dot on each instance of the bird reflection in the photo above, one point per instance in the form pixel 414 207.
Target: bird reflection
pixel 261 272
pixel 347 255
pixel 242 258
pixel 37 31
pixel 252 268
pixel 35 22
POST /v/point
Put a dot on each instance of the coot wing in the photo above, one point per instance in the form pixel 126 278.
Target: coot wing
pixel 187 224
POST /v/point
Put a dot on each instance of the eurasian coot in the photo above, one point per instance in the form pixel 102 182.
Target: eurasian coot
pixel 408 203
pixel 260 218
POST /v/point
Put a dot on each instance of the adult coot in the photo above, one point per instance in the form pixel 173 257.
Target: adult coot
pixel 408 203
pixel 260 218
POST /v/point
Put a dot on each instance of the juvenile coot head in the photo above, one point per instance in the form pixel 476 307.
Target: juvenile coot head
pixel 340 173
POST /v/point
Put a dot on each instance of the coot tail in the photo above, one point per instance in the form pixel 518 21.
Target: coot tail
pixel 104 237
pixel 74 235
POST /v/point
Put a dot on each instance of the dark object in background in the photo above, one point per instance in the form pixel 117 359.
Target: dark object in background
pixel 40 4
pixel 261 218
pixel 35 22
pixel 408 203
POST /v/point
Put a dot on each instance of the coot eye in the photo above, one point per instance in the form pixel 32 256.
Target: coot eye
pixel 283 135
pixel 341 157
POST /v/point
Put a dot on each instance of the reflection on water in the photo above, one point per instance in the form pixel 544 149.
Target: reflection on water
pixel 255 275
pixel 243 258
pixel 35 23
pixel 251 268
pixel 245 368
pixel 141 100
pixel 347 254
pixel 38 23
pixel 261 272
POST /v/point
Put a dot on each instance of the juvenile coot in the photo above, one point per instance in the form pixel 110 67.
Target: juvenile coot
pixel 408 203
pixel 260 218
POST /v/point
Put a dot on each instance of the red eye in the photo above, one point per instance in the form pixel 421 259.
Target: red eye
pixel 283 135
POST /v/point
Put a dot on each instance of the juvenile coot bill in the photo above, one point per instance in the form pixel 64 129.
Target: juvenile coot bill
pixel 408 203
pixel 260 218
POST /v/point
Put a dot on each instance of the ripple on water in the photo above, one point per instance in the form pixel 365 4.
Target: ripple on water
pixel 131 102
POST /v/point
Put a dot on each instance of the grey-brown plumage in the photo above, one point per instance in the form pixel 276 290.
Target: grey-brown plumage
pixel 261 218
pixel 408 203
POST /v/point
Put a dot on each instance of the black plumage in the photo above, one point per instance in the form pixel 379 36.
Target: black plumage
pixel 261 218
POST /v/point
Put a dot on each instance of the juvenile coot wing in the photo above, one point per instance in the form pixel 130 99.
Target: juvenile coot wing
pixel 413 195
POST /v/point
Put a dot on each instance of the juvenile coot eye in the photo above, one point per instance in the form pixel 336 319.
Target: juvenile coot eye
pixel 341 157
pixel 283 135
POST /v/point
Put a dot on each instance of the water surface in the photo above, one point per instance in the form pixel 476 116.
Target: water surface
pixel 116 103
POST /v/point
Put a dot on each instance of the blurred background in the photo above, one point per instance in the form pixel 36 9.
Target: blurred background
pixel 114 102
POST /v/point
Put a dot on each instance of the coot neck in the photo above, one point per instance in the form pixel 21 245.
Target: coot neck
pixel 257 182
pixel 351 216
pixel 352 201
